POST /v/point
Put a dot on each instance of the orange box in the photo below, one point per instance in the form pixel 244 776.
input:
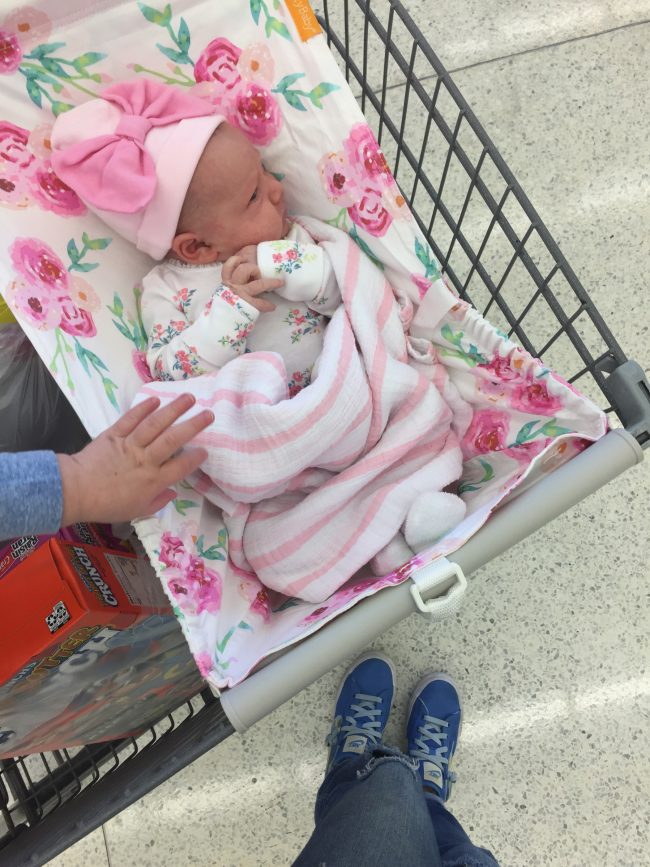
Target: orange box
pixel 90 649
pixel 60 596
pixel 13 551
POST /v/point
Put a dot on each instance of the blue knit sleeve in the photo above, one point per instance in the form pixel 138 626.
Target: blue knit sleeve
pixel 31 496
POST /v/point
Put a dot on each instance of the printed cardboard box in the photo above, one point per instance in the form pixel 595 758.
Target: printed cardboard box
pixel 90 649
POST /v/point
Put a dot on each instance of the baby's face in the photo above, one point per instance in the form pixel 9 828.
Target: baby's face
pixel 232 201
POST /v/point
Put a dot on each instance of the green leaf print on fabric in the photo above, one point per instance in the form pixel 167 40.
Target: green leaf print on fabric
pixel 271 23
pixel 181 40
pixel 340 221
pixel 295 97
pixel 256 8
pixel 223 664
pixel 488 475
pixel 470 356
pixel 161 18
pixel 182 506
pixel 321 90
pixel 130 328
pixel 432 271
pixel 91 362
pixel 549 428
pixel 214 552
pixel 274 25
pixel 183 36
pixel 63 349
pixel 95 243
pixel 358 240
pixel 87 59
pixel 42 71
pixel 76 255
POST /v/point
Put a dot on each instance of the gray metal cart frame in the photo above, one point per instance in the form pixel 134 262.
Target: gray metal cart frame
pixel 49 801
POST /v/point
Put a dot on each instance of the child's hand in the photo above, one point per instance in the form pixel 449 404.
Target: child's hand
pixel 127 471
pixel 245 279
pixel 248 254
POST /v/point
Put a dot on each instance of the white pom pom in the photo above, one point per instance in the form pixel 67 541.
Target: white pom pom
pixel 432 516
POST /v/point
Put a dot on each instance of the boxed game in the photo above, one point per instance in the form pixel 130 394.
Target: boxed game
pixel 14 551
pixel 90 649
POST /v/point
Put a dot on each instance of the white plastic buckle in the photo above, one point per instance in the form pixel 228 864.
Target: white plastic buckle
pixel 432 576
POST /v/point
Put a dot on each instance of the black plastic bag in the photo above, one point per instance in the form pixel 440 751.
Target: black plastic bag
pixel 34 413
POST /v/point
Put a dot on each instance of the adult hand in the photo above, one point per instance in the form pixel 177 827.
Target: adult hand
pixel 127 471
pixel 245 279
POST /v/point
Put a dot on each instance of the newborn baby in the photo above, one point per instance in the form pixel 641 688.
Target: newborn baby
pixel 235 275
pixel 209 300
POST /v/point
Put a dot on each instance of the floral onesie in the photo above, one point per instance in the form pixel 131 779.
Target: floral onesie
pixel 195 324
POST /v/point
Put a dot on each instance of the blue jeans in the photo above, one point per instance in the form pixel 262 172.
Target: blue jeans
pixel 371 811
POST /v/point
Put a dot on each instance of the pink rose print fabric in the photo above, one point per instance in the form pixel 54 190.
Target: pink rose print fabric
pixel 218 63
pixel 20 31
pixel 26 174
pixel 423 284
pixel 533 396
pixel 237 84
pixel 44 289
pixel 195 587
pixel 10 52
pixel 488 432
pixel 359 180
pixel 139 358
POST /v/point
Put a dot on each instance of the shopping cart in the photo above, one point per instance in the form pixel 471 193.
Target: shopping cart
pixel 497 253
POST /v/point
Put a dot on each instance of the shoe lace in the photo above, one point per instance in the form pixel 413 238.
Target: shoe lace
pixel 433 730
pixel 366 707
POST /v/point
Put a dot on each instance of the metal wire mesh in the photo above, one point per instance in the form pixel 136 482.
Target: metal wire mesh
pixel 35 786
pixel 491 244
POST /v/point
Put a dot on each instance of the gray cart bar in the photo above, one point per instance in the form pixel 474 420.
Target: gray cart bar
pixel 284 677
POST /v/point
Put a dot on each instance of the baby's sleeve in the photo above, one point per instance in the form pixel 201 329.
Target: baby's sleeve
pixel 179 348
pixel 306 270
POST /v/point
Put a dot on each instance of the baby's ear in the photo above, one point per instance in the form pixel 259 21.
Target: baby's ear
pixel 189 248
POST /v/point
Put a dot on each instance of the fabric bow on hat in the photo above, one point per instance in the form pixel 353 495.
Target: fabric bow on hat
pixel 115 172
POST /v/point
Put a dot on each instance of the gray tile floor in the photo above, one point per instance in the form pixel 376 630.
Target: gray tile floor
pixel 551 648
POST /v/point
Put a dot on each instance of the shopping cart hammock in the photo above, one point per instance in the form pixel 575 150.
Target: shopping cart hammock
pixel 73 285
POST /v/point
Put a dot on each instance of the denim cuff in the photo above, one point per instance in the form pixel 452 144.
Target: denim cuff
pixel 32 497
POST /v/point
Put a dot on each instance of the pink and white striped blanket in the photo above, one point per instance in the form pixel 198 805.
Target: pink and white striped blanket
pixel 312 487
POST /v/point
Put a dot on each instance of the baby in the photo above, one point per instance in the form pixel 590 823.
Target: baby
pixel 235 275
pixel 171 175
pixel 210 300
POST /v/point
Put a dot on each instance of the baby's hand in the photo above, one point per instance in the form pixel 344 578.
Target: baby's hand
pixel 244 278
pixel 248 254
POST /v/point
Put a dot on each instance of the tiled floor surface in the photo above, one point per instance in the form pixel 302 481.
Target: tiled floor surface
pixel 551 648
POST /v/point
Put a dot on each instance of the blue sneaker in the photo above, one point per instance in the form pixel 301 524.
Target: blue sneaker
pixel 432 732
pixel 362 707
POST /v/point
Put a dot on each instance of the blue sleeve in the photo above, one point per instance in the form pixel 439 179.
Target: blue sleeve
pixel 31 496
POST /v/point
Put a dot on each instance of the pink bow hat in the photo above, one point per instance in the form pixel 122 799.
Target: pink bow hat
pixel 130 156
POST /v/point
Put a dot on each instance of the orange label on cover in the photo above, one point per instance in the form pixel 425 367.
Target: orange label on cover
pixel 304 18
